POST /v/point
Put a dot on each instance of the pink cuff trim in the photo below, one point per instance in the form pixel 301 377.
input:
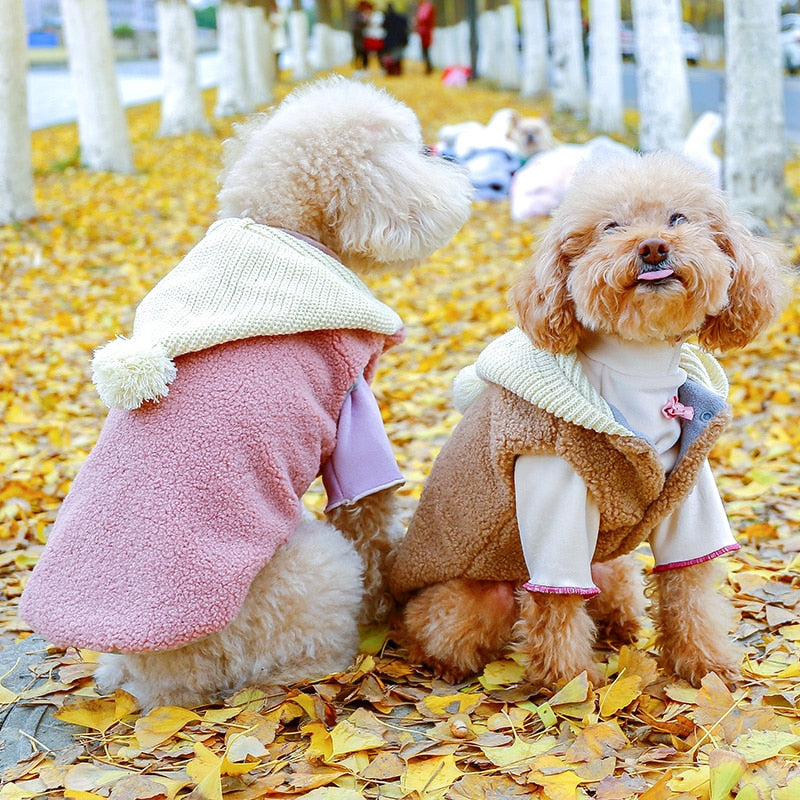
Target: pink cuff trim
pixel 700 560
pixel 583 592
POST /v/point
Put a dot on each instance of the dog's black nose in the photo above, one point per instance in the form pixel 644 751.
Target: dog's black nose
pixel 653 251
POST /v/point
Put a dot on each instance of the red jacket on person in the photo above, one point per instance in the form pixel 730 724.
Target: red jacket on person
pixel 425 22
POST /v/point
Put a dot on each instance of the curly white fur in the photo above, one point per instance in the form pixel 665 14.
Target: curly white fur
pixel 298 622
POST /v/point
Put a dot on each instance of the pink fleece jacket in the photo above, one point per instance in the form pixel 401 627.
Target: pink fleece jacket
pixel 182 502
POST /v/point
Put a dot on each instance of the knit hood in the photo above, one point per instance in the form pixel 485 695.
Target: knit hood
pixel 557 383
pixel 241 280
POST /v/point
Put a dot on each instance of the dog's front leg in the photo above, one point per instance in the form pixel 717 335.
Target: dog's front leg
pixel 458 626
pixel 371 524
pixel 556 632
pixel 620 606
pixel 692 621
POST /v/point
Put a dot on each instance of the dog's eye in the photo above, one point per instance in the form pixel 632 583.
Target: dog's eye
pixel 610 226
pixel 677 219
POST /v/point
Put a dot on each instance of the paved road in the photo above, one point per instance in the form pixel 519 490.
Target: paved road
pixel 51 94
pixel 707 89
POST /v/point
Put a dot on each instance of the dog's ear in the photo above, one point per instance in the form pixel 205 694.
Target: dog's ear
pixel 757 292
pixel 541 300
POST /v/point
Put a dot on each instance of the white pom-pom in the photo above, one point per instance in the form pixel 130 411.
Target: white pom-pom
pixel 127 373
pixel 466 388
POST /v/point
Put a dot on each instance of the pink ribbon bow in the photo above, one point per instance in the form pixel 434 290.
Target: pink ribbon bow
pixel 676 409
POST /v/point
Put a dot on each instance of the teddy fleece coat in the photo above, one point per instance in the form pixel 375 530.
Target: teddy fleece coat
pixel 465 525
pixel 183 501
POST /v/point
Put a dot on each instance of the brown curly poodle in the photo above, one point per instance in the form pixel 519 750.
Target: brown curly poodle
pixel 586 432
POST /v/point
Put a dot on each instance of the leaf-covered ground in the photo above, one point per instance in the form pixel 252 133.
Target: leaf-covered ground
pixel 71 280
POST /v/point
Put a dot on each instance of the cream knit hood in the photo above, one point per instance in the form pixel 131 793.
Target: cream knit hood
pixel 241 280
pixel 557 383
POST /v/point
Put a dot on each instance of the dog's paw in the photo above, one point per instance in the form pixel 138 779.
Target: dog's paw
pixel 693 667
pixel 111 673
pixel 550 673
pixel 557 635
pixel 619 631
pixel 446 670
pixel 457 627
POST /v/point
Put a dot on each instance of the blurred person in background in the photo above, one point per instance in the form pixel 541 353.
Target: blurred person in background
pixel 394 45
pixel 424 23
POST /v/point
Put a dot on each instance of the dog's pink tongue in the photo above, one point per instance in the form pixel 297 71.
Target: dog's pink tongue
pixel 655 274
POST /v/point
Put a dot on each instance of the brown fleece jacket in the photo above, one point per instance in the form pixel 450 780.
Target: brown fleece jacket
pixel 465 525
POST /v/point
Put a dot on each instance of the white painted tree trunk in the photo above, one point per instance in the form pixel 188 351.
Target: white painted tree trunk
pixel 298 45
pixel 102 126
pixel 182 108
pixel 605 68
pixel 233 90
pixel 755 144
pixel 259 56
pixel 324 38
pixel 508 61
pixel 489 44
pixel 663 81
pixel 568 64
pixel 16 175
pixel 533 80
pixel 461 38
pixel 445 50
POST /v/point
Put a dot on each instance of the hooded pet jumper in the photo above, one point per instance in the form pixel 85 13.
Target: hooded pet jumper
pixel 245 378
pixel 520 402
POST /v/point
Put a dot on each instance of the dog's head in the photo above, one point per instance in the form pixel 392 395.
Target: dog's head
pixel 646 249
pixel 530 135
pixel 344 163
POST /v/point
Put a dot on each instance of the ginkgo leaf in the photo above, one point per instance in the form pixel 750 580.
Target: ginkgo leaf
pixel 205 770
pixel 348 738
pixel 619 694
pixel 161 724
pixel 449 704
pixel 694 781
pixel 597 741
pixel 385 766
pixel 100 714
pixel 725 769
pixel 497 674
pixel 430 777
pixel 559 780
pixel 332 793
pixel 241 747
pixel 7 696
pixel 88 777
pixel 519 751
pixel 576 691
pixel 759 745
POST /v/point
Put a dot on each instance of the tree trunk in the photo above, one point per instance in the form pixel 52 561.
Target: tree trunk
pixel 182 108
pixel 508 60
pixel 664 106
pixel 325 37
pixel 102 128
pixel 233 91
pixel 533 81
pixel 489 42
pixel 568 64
pixel 16 175
pixel 461 34
pixel 605 68
pixel 298 42
pixel 755 141
pixel 258 55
